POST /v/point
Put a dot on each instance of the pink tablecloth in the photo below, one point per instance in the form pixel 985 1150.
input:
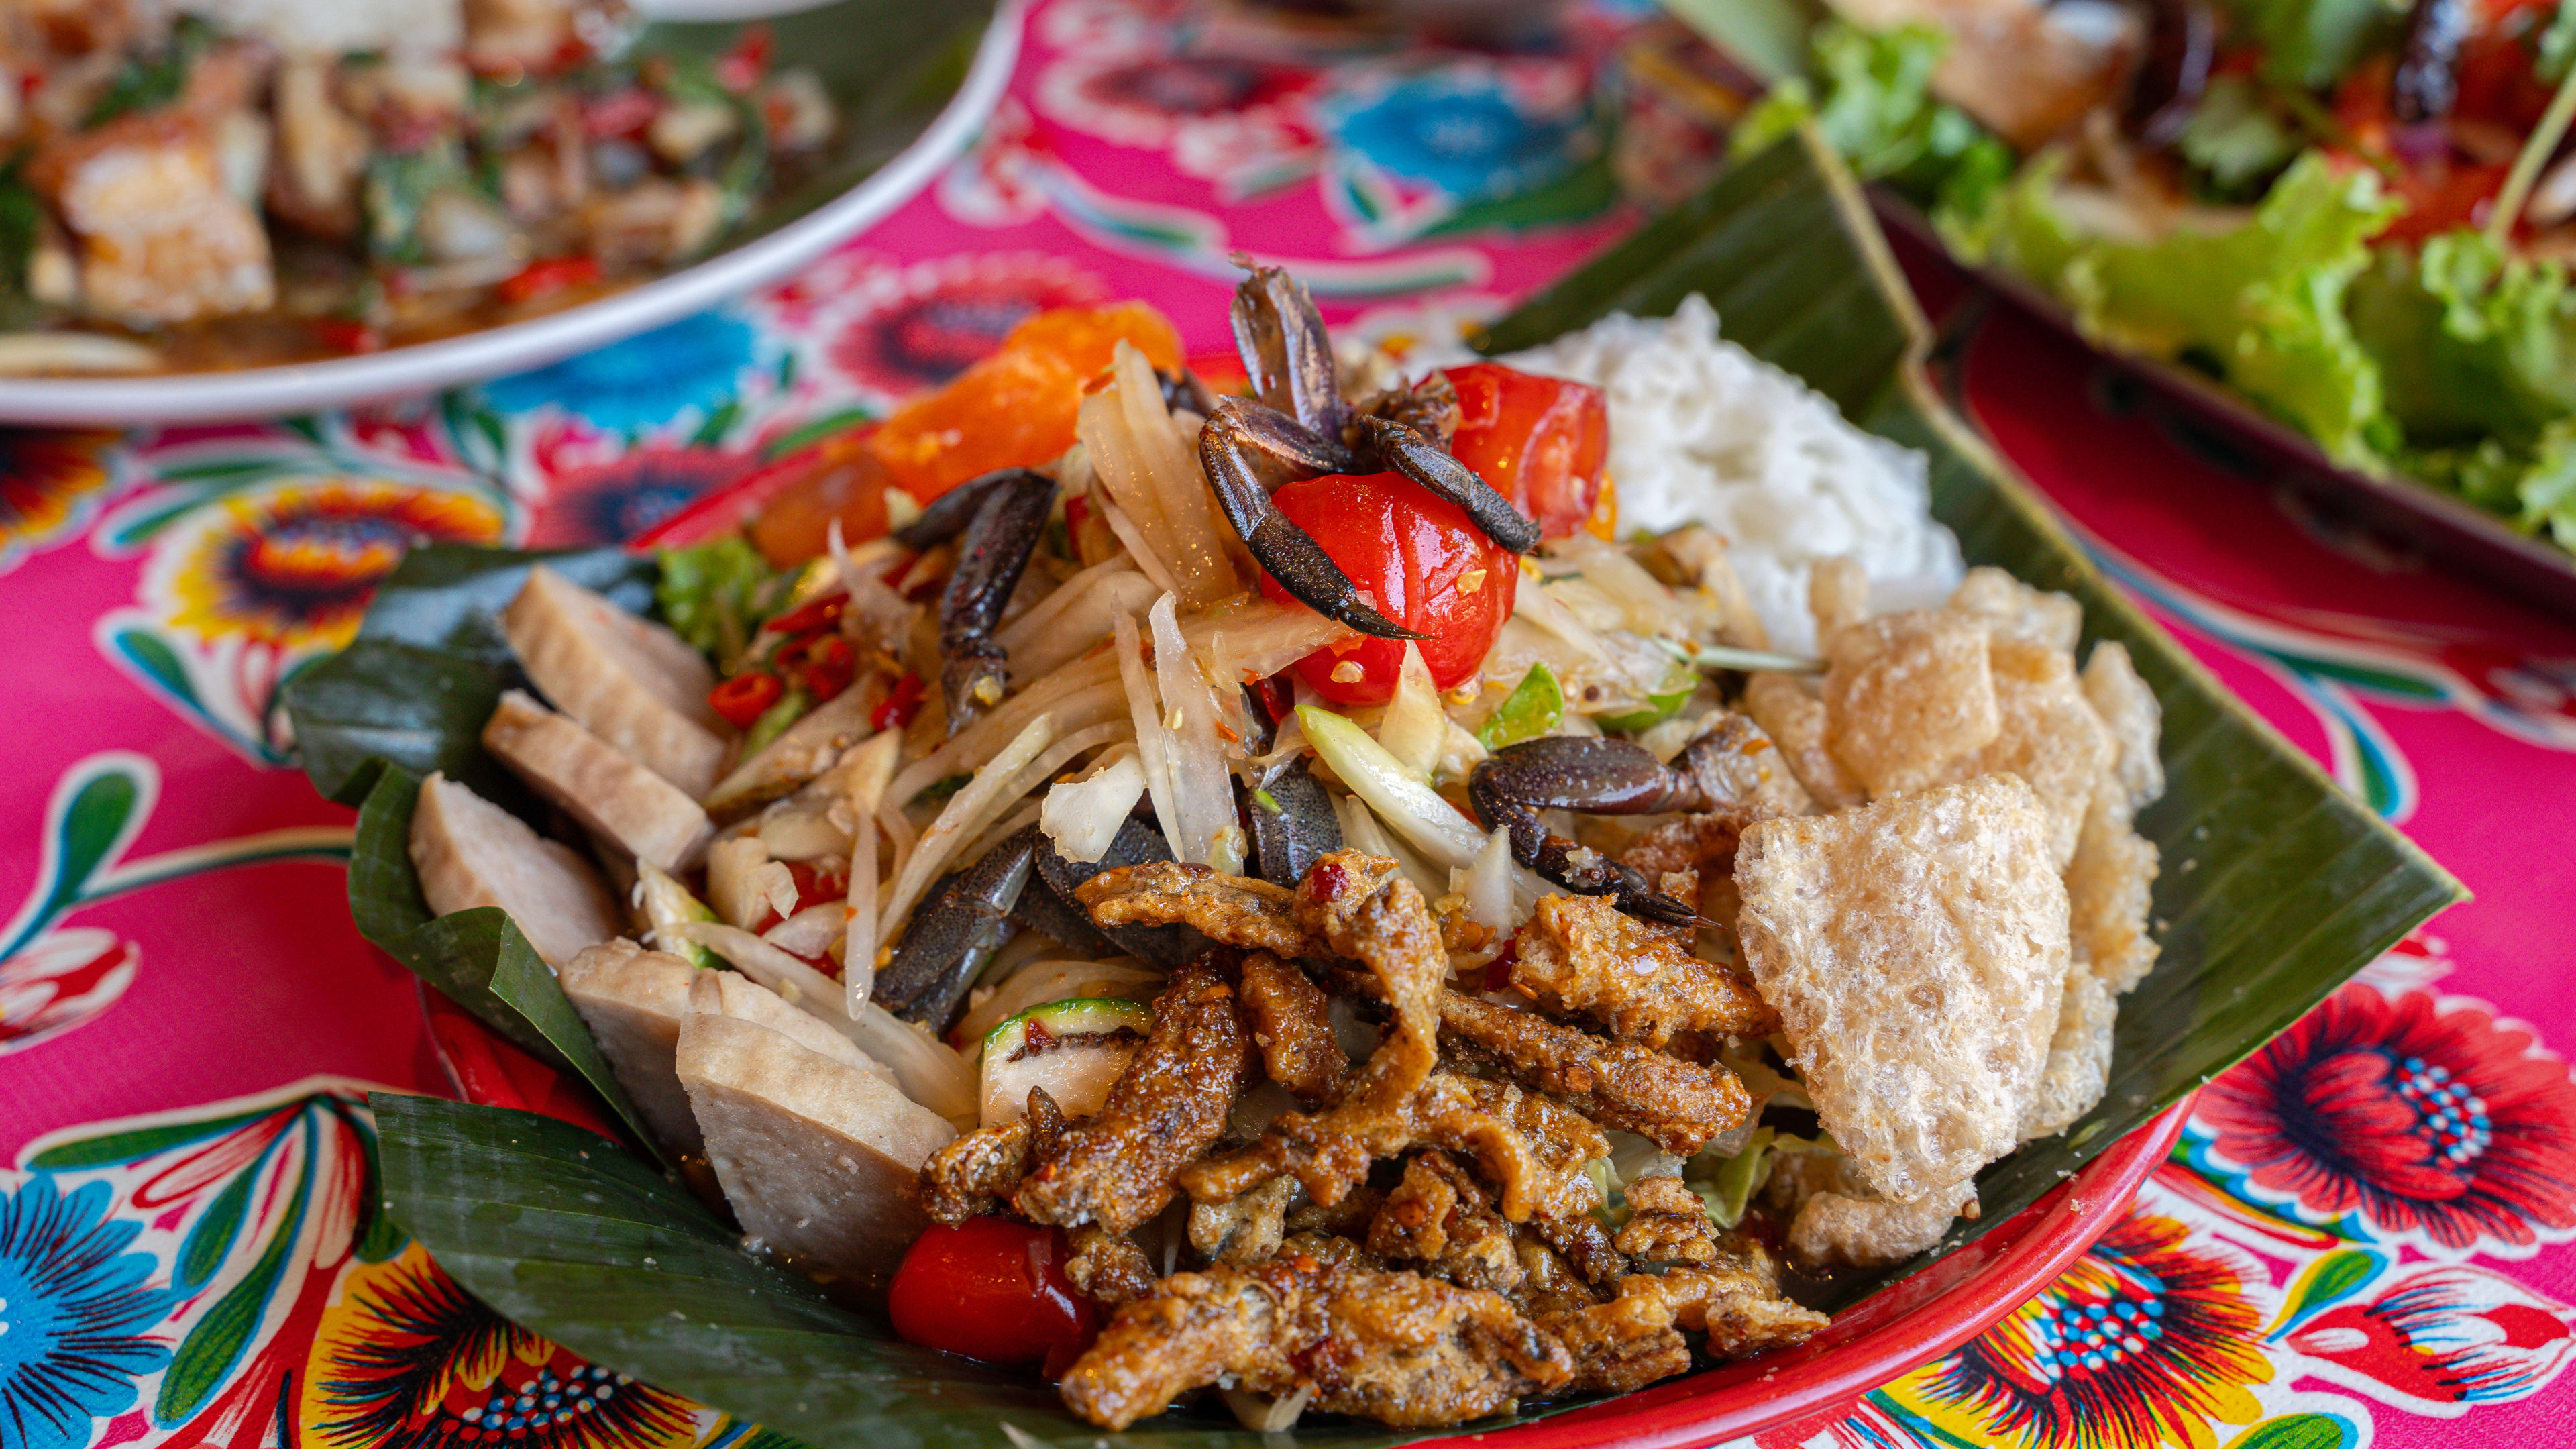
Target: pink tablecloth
pixel 2361 1240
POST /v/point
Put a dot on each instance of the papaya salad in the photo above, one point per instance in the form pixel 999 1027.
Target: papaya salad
pixel 1302 886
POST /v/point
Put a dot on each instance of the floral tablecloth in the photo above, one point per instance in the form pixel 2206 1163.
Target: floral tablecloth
pixel 2361 1239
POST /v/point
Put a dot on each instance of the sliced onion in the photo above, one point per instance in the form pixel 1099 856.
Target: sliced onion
pixel 1362 832
pixel 1082 817
pixel 743 883
pixel 927 1070
pixel 966 811
pixel 1400 798
pixel 1488 884
pixel 1202 788
pixel 1075 617
pixel 1153 739
pixel 809 932
pixel 1415 726
pixel 769 965
pixel 1263 1414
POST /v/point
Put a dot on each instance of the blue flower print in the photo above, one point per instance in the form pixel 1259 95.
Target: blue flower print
pixel 1460 132
pixel 643 382
pixel 73 1307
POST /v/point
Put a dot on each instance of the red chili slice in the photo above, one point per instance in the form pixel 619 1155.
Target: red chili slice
pixel 900 704
pixel 743 698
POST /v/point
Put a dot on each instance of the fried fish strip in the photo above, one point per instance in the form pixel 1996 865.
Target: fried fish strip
pixel 1439 1216
pixel 1291 1023
pixel 1634 1339
pixel 1395 1347
pixel 1581 955
pixel 1233 910
pixel 1106 1267
pixel 1167 1107
pixel 1681 1106
pixel 1667 1223
pixel 977 1172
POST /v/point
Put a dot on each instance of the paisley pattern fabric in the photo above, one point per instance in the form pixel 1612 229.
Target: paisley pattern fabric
pixel 2363 1237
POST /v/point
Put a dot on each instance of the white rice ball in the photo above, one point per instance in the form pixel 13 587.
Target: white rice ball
pixel 1703 431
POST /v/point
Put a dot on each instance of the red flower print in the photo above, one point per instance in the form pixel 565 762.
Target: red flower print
pixel 627 495
pixel 2146 1340
pixel 917 327
pixel 2437 1338
pixel 2418 1119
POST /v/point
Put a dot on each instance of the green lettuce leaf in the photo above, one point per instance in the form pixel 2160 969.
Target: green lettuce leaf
pixel 2477 357
pixel 1870 94
pixel 2260 303
pixel 2234 139
pixel 2313 42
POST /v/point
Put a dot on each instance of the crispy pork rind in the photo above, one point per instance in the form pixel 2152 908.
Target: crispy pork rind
pixel 2051 620
pixel 1795 721
pixel 2128 709
pixel 1909 699
pixel 2109 889
pixel 1834 1229
pixel 2079 1057
pixel 1916 951
pixel 2050 737
pixel 2110 883
pixel 1837 595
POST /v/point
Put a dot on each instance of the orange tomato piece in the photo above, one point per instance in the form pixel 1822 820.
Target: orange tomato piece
pixel 1014 408
pixel 1017 406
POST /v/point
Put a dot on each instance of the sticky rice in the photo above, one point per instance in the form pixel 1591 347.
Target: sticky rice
pixel 1702 431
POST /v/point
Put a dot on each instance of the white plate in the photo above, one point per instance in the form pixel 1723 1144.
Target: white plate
pixel 519 346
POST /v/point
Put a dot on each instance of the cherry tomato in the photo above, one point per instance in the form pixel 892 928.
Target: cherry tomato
pixel 989 1289
pixel 1420 562
pixel 1539 441
pixel 742 698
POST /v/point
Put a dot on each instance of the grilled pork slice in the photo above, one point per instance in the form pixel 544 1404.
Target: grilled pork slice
pixel 633 683
pixel 643 814
pixel 819 1159
pixel 471 852
pixel 633 1000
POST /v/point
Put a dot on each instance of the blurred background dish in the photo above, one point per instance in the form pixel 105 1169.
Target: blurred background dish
pixel 2325 243
pixel 242 209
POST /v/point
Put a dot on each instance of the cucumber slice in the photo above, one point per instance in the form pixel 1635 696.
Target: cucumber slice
pixel 1075 1049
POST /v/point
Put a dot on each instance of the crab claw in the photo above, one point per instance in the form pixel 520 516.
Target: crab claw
pixel 1009 518
pixel 1247 450
pixel 1286 353
pixel 1426 463
pixel 1593 775
pixel 951 939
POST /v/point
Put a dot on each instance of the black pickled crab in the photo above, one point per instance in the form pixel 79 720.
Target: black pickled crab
pixel 1597 775
pixel 997 521
pixel 1298 425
